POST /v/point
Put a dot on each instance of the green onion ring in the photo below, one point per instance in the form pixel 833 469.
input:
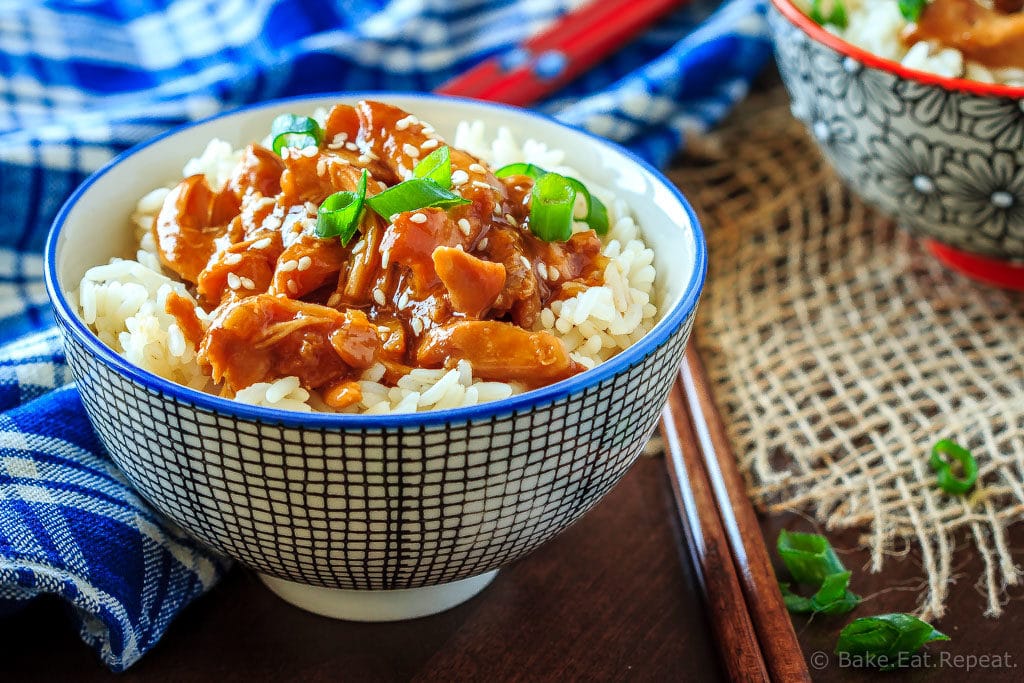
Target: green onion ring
pixel 948 481
pixel 340 214
pixel 289 130
pixel 596 215
pixel 551 211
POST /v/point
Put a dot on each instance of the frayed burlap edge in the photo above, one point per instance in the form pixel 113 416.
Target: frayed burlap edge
pixel 841 352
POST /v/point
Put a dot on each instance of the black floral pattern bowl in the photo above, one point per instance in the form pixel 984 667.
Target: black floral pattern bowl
pixel 943 156
pixel 376 517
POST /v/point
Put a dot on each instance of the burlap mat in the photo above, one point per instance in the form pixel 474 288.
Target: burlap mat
pixel 841 352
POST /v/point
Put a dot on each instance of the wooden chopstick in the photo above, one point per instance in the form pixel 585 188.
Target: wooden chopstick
pixel 709 546
pixel 556 55
pixel 779 645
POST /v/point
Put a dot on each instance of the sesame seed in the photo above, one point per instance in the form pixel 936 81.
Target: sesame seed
pixel 402 124
pixel 417 326
pixel 335 145
pixel 292 287
pixel 370 153
pixel 378 296
pixel 304 263
pixel 483 244
pixel 288 266
pixel 403 300
pixel 464 226
pixel 309 152
pixel 410 150
pixel 418 218
pixel 385 258
pixel 232 259
pixel 459 177
pixel 321 166
pixel 363 159
pixel 526 200
pixel 511 219
pixel 526 262
pixel 384 329
pixel 430 143
pixel 247 283
pixel 234 282
pixel 359 246
pixel 477 168
pixel 459 247
pixel 351 146
pixel 553 274
pixel 340 139
pixel 261 244
pixel 482 186
pixel 542 270
pixel 427 128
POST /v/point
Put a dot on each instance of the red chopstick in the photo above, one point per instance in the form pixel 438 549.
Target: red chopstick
pixel 553 57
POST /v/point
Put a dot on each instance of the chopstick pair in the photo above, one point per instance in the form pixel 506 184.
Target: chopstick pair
pixel 756 638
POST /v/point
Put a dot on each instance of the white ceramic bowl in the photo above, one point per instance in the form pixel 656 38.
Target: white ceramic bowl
pixel 385 516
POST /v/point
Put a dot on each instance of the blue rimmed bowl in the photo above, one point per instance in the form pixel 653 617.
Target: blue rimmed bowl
pixel 384 516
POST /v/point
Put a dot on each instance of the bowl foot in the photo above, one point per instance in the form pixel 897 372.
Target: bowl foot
pixel 382 605
pixel 1005 274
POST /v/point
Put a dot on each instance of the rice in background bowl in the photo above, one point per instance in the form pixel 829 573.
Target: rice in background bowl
pixel 321 504
pixel 879 27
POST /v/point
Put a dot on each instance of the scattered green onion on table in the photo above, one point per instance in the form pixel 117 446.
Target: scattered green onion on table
pixel 811 560
pixel 885 641
pixel 948 480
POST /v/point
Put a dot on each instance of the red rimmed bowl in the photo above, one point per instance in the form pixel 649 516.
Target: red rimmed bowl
pixel 943 156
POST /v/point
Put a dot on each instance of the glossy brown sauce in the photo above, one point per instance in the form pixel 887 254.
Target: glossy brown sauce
pixel 422 289
pixel 992 37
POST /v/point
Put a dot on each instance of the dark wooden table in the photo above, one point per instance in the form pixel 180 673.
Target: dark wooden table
pixel 611 599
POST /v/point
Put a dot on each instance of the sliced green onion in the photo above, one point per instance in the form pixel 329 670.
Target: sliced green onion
pixel 833 597
pixel 809 558
pixel 551 211
pixel 340 214
pixel 530 170
pixel 596 215
pixel 416 193
pixel 436 166
pixel 835 15
pixel 290 130
pixel 911 9
pixel 948 481
pixel 887 640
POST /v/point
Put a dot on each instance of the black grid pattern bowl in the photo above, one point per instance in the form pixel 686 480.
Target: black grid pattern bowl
pixel 376 503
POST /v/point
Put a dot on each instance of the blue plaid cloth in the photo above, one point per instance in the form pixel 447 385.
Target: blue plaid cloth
pixel 82 80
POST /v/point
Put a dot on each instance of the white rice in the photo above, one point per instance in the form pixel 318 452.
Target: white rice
pixel 123 301
pixel 876 25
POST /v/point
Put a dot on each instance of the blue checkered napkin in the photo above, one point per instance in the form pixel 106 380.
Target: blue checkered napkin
pixel 81 80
